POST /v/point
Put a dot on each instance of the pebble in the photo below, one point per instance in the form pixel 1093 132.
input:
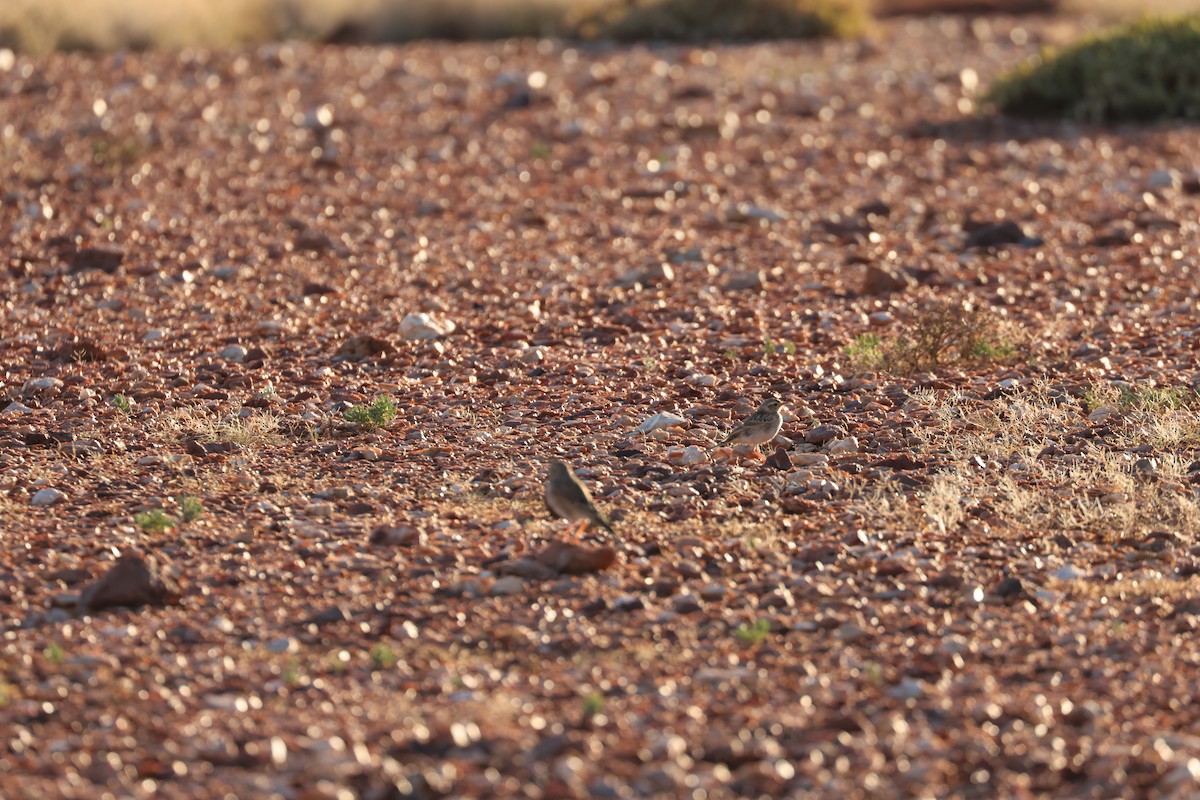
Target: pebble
pixel 1067 573
pixel 17 408
pixel 398 535
pixel 686 603
pixel 661 420
pixel 366 453
pixel 849 632
pixel 881 319
pixel 154 335
pixel 686 456
pixel 879 280
pixel 1102 413
pixel 745 212
pixel 907 689
pixel 508 585
pixel 42 384
pixel 1146 467
pixel 533 355
pixel 743 281
pixel 47 497
pixel 1164 179
pixel 847 445
pixel 713 591
pixel 420 327
pixel 318 510
pixel 823 434
pixel 809 459
pixel 233 352
pixel 650 276
pixel 82 447
pixel 822 489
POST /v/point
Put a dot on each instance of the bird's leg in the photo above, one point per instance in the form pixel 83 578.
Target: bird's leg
pixel 575 530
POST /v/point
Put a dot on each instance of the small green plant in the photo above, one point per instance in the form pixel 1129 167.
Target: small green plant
pixel 291 671
pixel 866 352
pixel 752 635
pixel 983 350
pixel 540 150
pixel 1156 398
pixel 731 353
pixel 154 521
pixel 379 414
pixel 8 693
pixel 1142 71
pixel 190 508
pixel 122 403
pixel 383 657
pixel 54 653
pixel 1152 399
pixel 116 152
pixel 771 347
pixel 874 674
pixel 593 704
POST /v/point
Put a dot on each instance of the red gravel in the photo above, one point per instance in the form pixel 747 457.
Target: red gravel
pixel 973 581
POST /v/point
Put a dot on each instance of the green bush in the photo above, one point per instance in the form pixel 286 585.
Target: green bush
pixel 700 20
pixel 1146 70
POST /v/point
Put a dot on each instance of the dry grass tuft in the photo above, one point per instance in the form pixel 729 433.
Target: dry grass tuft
pixel 1106 488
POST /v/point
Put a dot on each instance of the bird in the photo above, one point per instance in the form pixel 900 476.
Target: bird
pixel 566 497
pixel 760 427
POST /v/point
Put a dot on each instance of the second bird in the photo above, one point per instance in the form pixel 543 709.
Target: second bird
pixel 570 499
pixel 760 427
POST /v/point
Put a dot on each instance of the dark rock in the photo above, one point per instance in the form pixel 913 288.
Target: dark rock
pixel 1010 588
pixel 131 582
pixel 568 558
pixel 900 462
pixel 823 434
pixel 999 234
pixel 879 280
pixel 104 259
pixel 779 460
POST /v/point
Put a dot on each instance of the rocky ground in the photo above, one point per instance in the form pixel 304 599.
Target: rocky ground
pixel 966 569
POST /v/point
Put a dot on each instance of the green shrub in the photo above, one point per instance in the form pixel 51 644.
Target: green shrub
pixel 1147 70
pixel 700 20
pixel 379 414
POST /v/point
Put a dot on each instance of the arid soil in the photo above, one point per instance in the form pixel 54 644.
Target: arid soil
pixel 960 572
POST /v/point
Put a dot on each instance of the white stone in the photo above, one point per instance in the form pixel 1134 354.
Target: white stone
pixel 847 445
pixel 907 689
pixel 686 456
pixel 419 327
pixel 1067 573
pixel 42 384
pixel 508 585
pixel 269 327
pixel 663 419
pixel 16 408
pixel 234 352
pixel 154 335
pixel 47 497
pixel 1164 179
